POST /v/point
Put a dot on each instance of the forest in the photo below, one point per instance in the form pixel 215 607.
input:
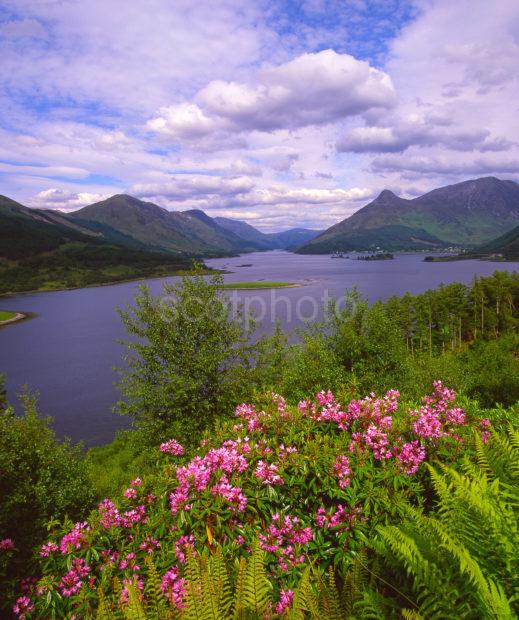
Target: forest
pixel 365 467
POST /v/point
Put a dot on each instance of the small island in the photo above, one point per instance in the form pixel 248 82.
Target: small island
pixel 7 317
pixel 256 285
pixel 377 256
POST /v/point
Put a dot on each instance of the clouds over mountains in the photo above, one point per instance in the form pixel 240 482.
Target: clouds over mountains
pixel 312 89
pixel 274 114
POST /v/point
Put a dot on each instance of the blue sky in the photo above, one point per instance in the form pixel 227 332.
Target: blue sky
pixel 278 113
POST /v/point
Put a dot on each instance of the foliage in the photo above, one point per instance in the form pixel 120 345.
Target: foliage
pixel 82 264
pixel 3 393
pixel 186 360
pixel 40 480
pixel 304 484
pixel 461 560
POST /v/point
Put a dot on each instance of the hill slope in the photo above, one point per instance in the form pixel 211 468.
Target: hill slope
pixel 47 250
pixel 190 232
pixel 507 245
pixel 283 240
pixel 467 213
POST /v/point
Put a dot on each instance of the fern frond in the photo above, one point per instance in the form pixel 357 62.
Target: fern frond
pixel 257 587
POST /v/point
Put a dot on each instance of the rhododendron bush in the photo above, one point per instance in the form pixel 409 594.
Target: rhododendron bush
pixel 306 483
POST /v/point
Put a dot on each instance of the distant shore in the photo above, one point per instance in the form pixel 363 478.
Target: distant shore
pixel 173 274
pixel 251 286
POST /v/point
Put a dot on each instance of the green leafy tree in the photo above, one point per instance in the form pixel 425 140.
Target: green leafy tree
pixel 3 393
pixel 41 479
pixel 188 359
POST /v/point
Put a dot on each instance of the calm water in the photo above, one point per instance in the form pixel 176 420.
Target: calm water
pixel 69 351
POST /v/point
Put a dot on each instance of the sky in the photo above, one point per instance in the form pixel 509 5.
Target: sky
pixel 279 113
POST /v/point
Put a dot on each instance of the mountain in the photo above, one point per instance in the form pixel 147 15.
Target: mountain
pixel 284 240
pixel 42 249
pixel 468 213
pixel 293 238
pixel 189 232
pixel 247 232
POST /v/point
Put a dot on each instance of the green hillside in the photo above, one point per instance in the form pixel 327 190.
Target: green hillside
pixel 189 232
pixel 507 245
pixel 44 250
pixel 467 214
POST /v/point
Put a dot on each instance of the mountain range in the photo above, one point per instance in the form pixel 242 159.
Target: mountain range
pixel 465 214
pixel 128 222
pixel 124 237
pixel 192 232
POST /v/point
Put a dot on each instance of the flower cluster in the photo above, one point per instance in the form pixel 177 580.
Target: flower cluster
pixel 332 457
pixel 410 456
pixel 173 588
pixel 342 470
pixel 184 546
pixel 284 536
pixel 111 517
pixel 7 544
pixel 249 414
pixel 22 606
pixel 484 426
pixel 268 474
pixel 194 478
pixel 285 600
pixel 436 418
pixel 341 518
pixel 76 538
pixel 72 582
pixel 172 447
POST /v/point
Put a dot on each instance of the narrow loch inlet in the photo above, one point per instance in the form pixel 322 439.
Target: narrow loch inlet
pixel 69 351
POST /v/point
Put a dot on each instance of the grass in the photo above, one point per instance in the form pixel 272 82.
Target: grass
pixel 6 316
pixel 257 285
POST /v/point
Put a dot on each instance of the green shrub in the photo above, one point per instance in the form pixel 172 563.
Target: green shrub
pixel 41 480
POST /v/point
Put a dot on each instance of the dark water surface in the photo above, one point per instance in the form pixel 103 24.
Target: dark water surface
pixel 69 350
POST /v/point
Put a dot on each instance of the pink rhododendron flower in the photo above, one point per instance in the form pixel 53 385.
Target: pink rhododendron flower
pixel 183 546
pixel 340 518
pixel 22 606
pixel 378 441
pixel 455 416
pixel 285 600
pixel 428 425
pixel 75 539
pixel 137 584
pixel 47 549
pixel 173 588
pixel 342 471
pixel 71 583
pixel 6 544
pixel 410 456
pixel 130 493
pixel 282 535
pixel 172 447
pixel 268 473
pixel 233 495
pixel 149 544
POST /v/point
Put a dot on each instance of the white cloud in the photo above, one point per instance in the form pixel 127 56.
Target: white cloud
pixel 313 89
pixel 220 110
pixel 420 133
pixel 62 200
pixel 45 171
pixel 183 122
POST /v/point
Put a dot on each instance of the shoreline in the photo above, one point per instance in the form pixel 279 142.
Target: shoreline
pixel 19 316
pixel 228 286
pixel 180 273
